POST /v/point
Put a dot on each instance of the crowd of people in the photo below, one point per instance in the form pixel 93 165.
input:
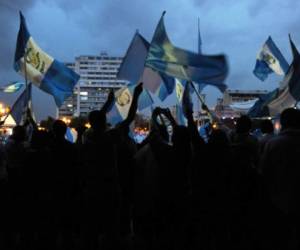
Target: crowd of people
pixel 178 191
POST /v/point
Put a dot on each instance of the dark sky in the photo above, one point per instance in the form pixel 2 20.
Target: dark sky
pixel 68 28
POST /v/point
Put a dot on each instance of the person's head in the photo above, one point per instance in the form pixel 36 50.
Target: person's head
pixel 59 129
pixel 40 139
pixel 243 124
pixel 218 138
pixel 97 119
pixel 19 133
pixel 181 136
pixel 266 126
pixel 290 118
pixel 163 132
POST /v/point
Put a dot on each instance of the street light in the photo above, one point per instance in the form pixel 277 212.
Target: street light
pixel 4 110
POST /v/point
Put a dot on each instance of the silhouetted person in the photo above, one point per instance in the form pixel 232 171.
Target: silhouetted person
pixel 16 151
pixel 177 181
pixel 216 187
pixel 100 181
pixel 65 180
pixel 281 173
pixel 80 131
pixel 40 231
pixel 245 184
pixel 126 148
pixel 152 161
pixel 267 130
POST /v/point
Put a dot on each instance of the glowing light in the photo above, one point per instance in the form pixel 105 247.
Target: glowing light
pixel 277 126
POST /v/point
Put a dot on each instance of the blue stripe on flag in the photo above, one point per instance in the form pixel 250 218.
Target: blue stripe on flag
pixel 59 81
pixel 166 87
pixel 113 116
pixel 183 64
pixel 270 60
pixel 261 70
pixel 19 108
pixel 23 37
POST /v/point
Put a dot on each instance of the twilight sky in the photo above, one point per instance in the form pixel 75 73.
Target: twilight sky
pixel 68 28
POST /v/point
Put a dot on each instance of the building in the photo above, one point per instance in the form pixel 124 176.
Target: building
pixel 231 96
pixel 98 74
pixel 237 102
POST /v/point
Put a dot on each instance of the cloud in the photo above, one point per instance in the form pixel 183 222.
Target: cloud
pixel 68 28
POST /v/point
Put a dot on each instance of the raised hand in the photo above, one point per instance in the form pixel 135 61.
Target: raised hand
pixel 138 89
pixel 111 95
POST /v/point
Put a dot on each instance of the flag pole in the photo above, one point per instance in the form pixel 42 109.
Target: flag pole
pixel 26 83
pixel 2 122
pixel 78 99
pixel 199 38
pixel 202 101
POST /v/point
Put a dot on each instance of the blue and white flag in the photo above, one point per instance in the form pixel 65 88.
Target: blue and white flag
pixel 19 108
pixel 166 87
pixel 186 99
pixel 182 64
pixel 12 87
pixel 269 60
pixel 133 69
pixel 219 85
pixel 123 100
pixel 183 99
pixel 45 72
pixel 71 135
pixel 133 63
pixel 180 118
pixel 281 98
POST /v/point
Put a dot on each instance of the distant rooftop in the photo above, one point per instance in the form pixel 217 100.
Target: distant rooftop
pixel 238 91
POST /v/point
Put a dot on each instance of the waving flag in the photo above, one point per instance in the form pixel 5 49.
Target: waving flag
pixel 166 87
pixel 123 100
pixel 182 64
pixel 186 99
pixel 281 98
pixel 293 48
pixel 269 60
pixel 183 97
pixel 12 87
pixel 19 108
pixel 41 69
pixel 133 69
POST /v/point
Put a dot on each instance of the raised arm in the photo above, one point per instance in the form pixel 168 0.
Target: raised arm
pixel 109 102
pixel 196 139
pixel 30 120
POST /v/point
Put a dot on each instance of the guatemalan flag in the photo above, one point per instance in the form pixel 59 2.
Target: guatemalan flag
pixel 165 58
pixel 269 60
pixel 123 100
pixel 283 97
pixel 133 69
pixel 41 69
pixel 19 108
pixel 183 93
pixel 12 87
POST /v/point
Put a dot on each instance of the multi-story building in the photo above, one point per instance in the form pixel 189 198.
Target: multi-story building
pixel 231 96
pixel 237 102
pixel 97 76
